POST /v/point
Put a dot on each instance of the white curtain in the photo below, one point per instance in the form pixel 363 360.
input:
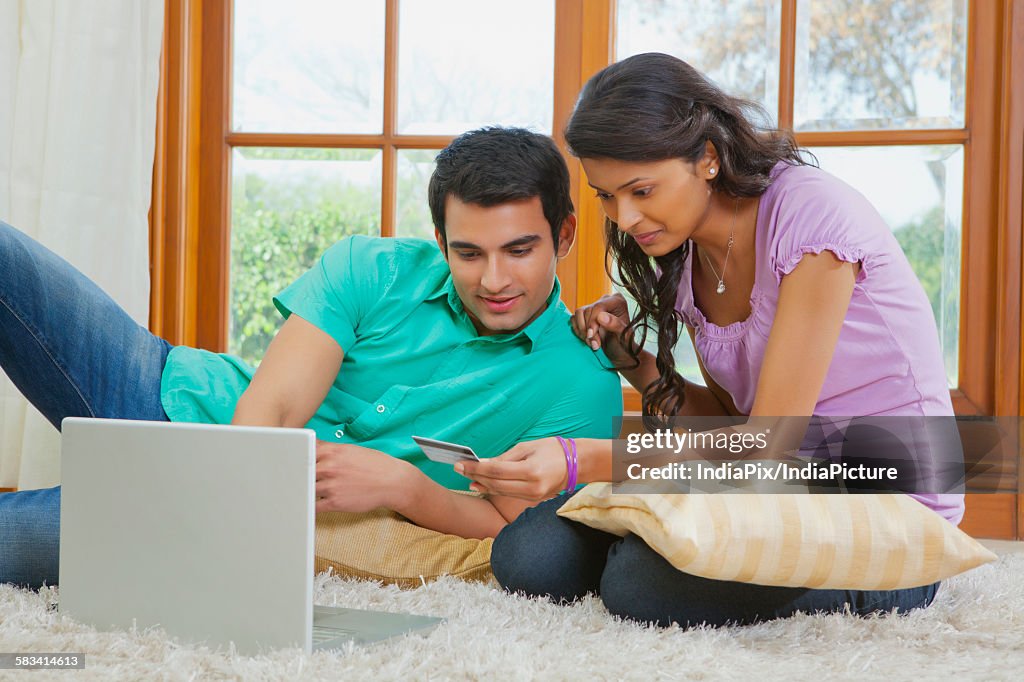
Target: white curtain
pixel 78 88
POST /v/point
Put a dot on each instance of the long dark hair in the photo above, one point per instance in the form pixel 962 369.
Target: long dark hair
pixel 654 107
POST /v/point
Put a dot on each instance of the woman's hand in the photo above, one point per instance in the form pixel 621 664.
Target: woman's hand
pixel 535 470
pixel 600 325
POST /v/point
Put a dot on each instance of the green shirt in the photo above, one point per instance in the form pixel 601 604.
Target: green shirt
pixel 414 364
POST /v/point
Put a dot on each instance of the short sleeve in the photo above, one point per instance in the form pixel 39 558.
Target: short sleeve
pixel 589 406
pixel 812 212
pixel 340 289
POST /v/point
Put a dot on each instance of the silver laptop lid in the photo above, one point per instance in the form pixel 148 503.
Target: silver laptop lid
pixel 205 531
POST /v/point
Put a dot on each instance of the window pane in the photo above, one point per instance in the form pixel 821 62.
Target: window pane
pixel 685 355
pixel 864 64
pixel 413 214
pixel 308 66
pixel 918 190
pixel 287 207
pixel 463 64
pixel 736 43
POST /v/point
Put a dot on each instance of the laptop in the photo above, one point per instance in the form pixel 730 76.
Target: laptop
pixel 206 531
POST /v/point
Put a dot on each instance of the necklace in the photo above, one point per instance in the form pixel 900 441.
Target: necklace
pixel 720 289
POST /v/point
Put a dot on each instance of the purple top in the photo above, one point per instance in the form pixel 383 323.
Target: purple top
pixel 883 363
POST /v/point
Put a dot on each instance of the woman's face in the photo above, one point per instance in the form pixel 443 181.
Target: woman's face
pixel 660 204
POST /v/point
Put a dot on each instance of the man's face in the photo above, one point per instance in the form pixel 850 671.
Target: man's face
pixel 503 261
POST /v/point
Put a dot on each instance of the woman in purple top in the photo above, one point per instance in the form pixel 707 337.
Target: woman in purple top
pixel 797 298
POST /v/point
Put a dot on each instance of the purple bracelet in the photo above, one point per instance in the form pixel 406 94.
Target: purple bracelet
pixel 573 473
pixel 571 463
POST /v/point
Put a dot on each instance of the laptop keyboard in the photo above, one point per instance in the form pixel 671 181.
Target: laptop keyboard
pixel 325 634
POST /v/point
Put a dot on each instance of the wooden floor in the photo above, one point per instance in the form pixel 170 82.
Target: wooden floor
pixel 1004 546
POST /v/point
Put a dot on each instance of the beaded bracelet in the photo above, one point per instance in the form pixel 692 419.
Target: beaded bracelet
pixel 571 462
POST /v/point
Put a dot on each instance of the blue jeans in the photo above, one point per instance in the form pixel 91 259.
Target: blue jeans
pixel 543 554
pixel 73 352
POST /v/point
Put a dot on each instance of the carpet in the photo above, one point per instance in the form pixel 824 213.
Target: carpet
pixel 973 630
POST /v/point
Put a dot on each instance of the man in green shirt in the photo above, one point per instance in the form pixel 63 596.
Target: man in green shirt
pixel 463 340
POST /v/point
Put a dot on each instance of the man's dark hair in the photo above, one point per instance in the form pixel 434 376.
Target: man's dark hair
pixel 494 165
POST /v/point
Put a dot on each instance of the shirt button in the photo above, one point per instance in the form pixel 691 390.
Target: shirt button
pixel 339 433
pixel 380 409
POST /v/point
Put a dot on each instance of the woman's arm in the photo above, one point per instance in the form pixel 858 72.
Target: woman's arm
pixel 536 470
pixel 813 300
pixel 709 400
pixel 600 325
pixel 351 478
pixel 641 376
pixel 701 401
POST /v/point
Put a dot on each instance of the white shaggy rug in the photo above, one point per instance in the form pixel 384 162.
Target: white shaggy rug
pixel 974 630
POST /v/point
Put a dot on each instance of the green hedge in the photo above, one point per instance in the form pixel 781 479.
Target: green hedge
pixel 273 243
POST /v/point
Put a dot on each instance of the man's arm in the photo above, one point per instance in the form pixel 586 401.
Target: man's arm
pixel 352 478
pixel 433 506
pixel 290 384
pixel 297 371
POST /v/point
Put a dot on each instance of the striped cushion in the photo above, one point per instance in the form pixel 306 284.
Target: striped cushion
pixel 385 547
pixel 861 542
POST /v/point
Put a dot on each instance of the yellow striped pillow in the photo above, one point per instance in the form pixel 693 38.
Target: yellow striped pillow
pixel 861 542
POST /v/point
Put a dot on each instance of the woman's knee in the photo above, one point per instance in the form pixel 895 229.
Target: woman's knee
pixel 626 587
pixel 893 601
pixel 639 584
pixel 544 555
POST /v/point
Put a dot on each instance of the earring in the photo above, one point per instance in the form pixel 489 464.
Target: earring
pixel 711 171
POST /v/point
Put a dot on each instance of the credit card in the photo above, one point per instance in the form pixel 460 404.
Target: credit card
pixel 446 453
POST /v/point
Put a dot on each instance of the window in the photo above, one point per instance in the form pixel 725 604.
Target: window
pixel 877 90
pixel 885 92
pixel 332 137
pixel 353 99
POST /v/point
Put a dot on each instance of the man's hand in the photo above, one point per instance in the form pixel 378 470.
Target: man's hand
pixel 351 478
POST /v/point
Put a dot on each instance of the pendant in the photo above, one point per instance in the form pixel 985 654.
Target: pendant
pixel 721 287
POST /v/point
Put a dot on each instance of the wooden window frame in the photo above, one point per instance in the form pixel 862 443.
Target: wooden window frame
pixel 990 245
pixel 190 219
pixel 991 374
pixel 190 240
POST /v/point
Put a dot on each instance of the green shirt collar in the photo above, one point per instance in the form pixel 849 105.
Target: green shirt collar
pixel 533 331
